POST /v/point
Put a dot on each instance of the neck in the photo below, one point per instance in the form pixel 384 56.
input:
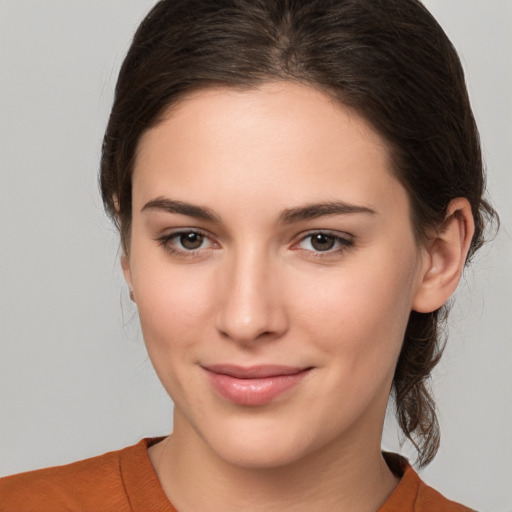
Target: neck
pixel 346 475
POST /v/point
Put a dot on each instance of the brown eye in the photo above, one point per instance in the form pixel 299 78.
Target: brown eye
pixel 191 241
pixel 322 242
pixel 187 244
pixel 325 242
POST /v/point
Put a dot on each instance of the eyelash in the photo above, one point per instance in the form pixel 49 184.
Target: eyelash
pixel 343 244
pixel 164 241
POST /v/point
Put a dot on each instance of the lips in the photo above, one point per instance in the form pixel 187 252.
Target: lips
pixel 255 385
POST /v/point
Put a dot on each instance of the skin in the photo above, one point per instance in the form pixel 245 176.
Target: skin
pixel 259 291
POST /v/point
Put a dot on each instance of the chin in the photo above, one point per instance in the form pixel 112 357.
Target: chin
pixel 257 456
pixel 262 444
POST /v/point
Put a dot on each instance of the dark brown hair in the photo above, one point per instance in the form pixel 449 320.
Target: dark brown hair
pixel 389 60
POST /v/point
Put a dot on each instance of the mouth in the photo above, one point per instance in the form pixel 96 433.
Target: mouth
pixel 254 385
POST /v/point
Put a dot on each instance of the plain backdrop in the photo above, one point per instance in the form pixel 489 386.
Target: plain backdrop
pixel 75 380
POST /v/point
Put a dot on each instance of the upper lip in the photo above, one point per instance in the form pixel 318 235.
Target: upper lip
pixel 254 372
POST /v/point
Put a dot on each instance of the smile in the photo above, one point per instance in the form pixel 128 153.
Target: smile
pixel 256 385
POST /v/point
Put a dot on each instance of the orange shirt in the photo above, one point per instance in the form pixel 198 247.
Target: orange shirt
pixel 125 481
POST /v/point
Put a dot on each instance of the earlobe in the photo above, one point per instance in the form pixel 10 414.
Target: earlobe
pixel 445 257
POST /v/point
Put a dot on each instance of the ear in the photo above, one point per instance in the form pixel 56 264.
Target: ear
pixel 125 265
pixel 444 257
pixel 125 260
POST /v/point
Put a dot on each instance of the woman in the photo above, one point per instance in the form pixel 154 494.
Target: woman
pixel 298 186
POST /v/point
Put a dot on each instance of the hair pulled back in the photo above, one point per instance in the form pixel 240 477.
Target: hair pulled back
pixel 389 60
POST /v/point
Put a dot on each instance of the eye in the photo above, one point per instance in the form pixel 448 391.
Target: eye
pixel 324 242
pixel 187 243
pixel 191 241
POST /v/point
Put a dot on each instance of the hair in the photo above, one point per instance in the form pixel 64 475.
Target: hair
pixel 388 60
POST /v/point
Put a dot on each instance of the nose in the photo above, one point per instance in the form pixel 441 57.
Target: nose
pixel 251 306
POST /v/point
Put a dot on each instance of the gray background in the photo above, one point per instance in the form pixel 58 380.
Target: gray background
pixel 75 380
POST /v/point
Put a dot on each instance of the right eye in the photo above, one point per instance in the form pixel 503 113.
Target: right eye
pixel 186 243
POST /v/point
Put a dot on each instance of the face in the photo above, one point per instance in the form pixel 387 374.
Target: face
pixel 274 268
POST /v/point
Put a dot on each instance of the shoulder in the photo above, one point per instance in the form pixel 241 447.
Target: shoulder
pixel 430 499
pixel 92 484
pixel 414 495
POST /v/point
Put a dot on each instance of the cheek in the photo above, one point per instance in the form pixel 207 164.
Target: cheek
pixel 173 307
pixel 172 303
pixel 359 311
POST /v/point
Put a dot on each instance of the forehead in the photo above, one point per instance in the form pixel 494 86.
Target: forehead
pixel 282 141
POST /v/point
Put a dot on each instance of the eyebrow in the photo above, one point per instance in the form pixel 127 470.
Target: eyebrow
pixel 315 210
pixel 288 216
pixel 190 210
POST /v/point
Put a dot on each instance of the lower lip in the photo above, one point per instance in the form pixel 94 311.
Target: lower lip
pixel 254 392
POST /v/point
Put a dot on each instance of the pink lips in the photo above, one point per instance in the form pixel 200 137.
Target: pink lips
pixel 255 385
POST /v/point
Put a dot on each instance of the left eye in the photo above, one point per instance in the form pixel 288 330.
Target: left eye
pixel 190 241
pixel 324 242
